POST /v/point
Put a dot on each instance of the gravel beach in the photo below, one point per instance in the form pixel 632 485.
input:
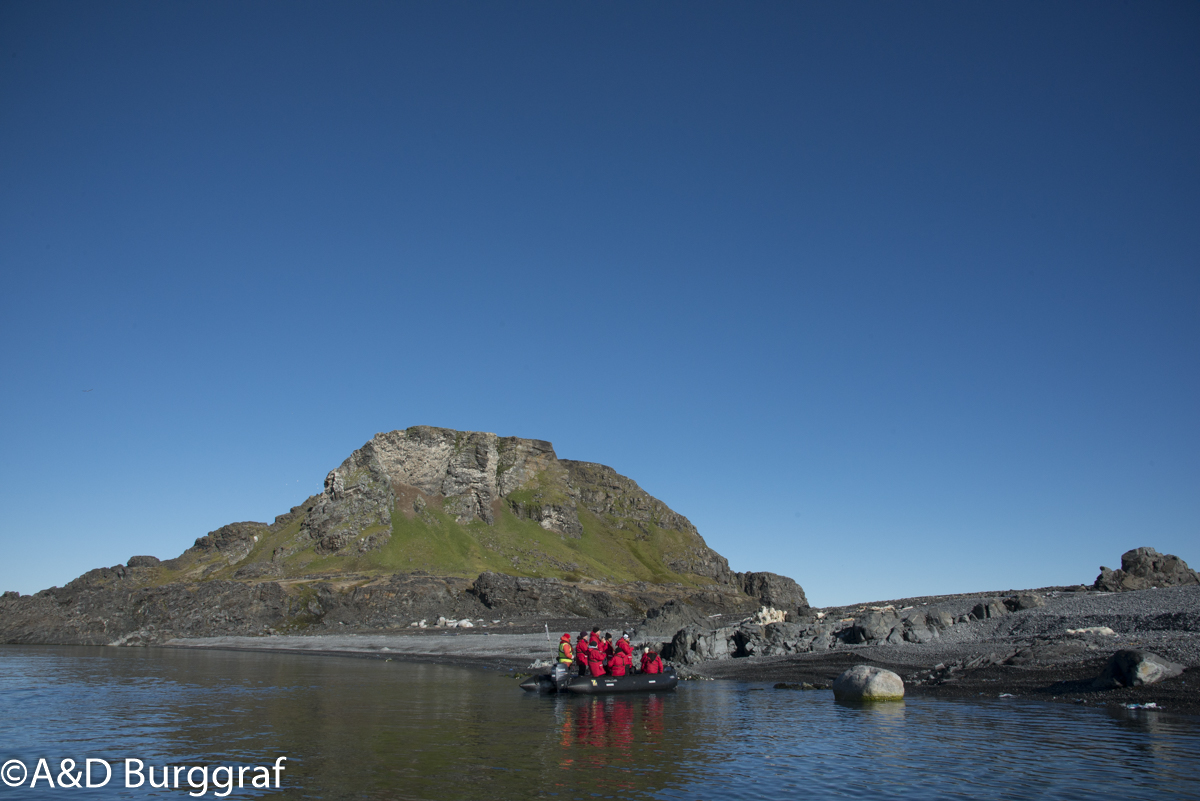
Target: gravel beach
pixel 476 648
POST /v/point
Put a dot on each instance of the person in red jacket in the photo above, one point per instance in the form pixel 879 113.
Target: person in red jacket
pixel 607 646
pixel 582 653
pixel 651 662
pixel 618 663
pixel 624 647
pixel 594 640
pixel 595 663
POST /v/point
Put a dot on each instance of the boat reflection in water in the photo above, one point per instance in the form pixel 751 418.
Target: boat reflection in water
pixel 612 722
pixel 617 740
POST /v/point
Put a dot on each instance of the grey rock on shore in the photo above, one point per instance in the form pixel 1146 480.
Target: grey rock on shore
pixel 1133 668
pixel 868 683
pixel 1144 568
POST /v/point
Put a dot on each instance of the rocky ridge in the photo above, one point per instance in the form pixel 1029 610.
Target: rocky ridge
pixel 416 524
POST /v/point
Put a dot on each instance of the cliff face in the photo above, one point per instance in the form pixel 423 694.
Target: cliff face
pixel 461 503
pixel 414 522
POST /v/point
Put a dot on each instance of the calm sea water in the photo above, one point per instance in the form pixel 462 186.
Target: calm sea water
pixel 356 728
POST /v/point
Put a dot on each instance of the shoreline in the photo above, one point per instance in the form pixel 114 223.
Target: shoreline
pixel 1069 683
pixel 1034 654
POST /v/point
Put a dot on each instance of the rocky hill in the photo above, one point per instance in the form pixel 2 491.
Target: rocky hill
pixel 419 523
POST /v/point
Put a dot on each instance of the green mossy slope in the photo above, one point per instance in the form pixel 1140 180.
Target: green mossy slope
pixel 434 543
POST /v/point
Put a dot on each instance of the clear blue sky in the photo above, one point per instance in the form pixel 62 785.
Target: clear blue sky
pixel 891 298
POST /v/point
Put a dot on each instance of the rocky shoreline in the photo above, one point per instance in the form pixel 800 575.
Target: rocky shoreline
pixel 1048 652
pixel 1053 652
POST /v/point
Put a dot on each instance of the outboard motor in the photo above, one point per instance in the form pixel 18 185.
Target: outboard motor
pixel 561 676
pixel 555 681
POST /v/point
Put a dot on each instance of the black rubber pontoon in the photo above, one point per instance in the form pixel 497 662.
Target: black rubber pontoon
pixel 633 683
pixel 561 680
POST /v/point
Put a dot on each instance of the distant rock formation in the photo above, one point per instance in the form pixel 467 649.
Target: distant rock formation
pixel 416 524
pixel 1143 568
pixel 477 476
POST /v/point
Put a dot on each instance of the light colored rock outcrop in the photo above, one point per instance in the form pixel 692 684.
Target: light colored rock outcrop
pixel 867 683
pixel 471 470
pixel 471 474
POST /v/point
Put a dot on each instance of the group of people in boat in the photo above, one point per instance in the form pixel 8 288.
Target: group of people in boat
pixel 593 655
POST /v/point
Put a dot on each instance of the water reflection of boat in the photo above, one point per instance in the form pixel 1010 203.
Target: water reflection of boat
pixel 615 725
pixel 560 680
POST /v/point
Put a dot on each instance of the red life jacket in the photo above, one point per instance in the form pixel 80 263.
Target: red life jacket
pixel 618 663
pixel 596 667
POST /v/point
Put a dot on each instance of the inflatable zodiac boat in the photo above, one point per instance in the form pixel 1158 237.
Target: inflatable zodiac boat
pixel 562 680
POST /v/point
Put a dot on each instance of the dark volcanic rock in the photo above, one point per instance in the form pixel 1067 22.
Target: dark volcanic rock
pixel 1143 568
pixel 102 612
pixel 662 622
pixel 990 608
pixel 1132 668
pixel 773 590
pixel 871 626
pixel 692 646
pixel 144 561
pixel 1025 600
pixel 233 541
pixel 528 596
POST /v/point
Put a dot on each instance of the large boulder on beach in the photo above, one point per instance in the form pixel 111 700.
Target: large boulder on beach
pixel 918 628
pixel 1132 668
pixel 691 646
pixel 870 627
pixel 938 618
pixel 993 607
pixel 1143 568
pixel 868 683
pixel 1023 601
